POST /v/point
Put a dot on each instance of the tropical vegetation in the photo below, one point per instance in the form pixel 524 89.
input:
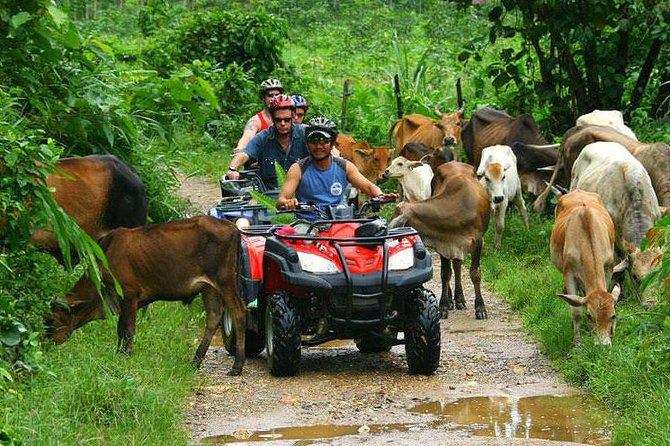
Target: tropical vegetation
pixel 168 84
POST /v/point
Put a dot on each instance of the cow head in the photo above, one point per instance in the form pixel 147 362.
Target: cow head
pixel 82 306
pixel 493 179
pixel 400 167
pixel 450 124
pixel 372 162
pixel 600 312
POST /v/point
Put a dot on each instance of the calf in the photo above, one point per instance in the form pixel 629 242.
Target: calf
pixel 99 192
pixel 499 176
pixel 623 184
pixel 170 261
pixel 433 133
pixel 582 248
pixel 453 221
pixel 414 178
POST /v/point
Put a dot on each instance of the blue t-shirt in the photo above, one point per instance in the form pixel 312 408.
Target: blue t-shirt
pixel 265 148
pixel 323 187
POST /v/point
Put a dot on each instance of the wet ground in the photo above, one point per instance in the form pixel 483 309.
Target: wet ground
pixel 493 387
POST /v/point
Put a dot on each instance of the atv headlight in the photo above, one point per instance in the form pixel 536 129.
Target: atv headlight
pixel 242 223
pixel 402 260
pixel 316 264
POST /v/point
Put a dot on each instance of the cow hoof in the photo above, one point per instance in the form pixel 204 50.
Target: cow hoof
pixel 460 306
pixel 481 314
pixel 234 372
pixel 444 313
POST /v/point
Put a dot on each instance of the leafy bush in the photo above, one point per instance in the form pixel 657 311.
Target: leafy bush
pixel 253 40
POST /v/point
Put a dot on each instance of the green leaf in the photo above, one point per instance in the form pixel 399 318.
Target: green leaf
pixel 265 201
pixel 281 174
pixel 20 18
pixel 58 16
pixel 205 90
pixel 71 39
pixel 11 336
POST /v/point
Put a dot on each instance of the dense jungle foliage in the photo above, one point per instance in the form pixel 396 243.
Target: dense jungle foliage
pixel 167 85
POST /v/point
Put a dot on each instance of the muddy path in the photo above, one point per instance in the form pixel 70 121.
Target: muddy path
pixel 493 387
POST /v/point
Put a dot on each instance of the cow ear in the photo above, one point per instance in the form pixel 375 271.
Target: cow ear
pixel 438 125
pixel 363 153
pixel 414 164
pixel 573 299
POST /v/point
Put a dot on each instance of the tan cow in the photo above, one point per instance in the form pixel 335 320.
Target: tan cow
pixel 170 261
pixel 453 222
pixel 623 184
pixel 433 133
pixel 370 161
pixel 582 248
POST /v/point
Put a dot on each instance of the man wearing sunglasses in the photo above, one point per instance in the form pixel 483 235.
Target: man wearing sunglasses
pixel 322 178
pixel 269 89
pixel 283 142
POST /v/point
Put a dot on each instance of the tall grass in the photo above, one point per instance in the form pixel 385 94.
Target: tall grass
pixel 94 395
pixel 632 377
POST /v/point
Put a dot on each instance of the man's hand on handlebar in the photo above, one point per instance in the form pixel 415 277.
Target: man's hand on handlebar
pixel 287 203
pixel 232 175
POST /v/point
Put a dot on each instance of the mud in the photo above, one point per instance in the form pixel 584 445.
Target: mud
pixel 493 387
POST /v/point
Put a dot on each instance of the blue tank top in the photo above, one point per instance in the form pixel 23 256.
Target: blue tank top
pixel 323 187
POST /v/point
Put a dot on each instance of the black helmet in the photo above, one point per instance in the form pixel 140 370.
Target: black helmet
pixel 321 125
pixel 271 84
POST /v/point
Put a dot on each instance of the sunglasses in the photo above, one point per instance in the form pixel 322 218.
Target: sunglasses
pixel 319 140
pixel 272 95
pixel 282 119
pixel 300 115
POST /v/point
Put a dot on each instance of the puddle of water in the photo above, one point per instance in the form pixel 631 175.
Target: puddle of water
pixel 547 417
pixel 558 418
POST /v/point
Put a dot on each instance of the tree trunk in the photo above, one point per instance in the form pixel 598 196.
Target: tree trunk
pixel 643 77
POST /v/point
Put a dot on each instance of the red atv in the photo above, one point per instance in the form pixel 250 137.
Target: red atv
pixel 341 277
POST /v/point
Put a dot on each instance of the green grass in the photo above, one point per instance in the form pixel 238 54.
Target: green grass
pixel 632 377
pixel 93 395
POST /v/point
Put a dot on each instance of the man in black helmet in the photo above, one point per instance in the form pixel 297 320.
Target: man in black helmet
pixel 269 89
pixel 322 178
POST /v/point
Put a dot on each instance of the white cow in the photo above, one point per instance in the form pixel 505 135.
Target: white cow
pixel 414 178
pixel 608 169
pixel 499 177
pixel 607 118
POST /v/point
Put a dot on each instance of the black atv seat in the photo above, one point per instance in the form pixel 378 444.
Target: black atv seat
pixel 374 228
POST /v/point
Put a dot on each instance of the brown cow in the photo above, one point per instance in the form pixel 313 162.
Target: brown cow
pixel 490 127
pixel 170 261
pixel 433 133
pixel 370 161
pixel 99 192
pixel 654 157
pixel 582 248
pixel 453 221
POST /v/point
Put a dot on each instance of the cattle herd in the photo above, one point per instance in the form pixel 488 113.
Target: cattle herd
pixel 618 188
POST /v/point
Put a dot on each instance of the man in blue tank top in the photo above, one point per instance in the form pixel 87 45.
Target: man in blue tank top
pixel 321 178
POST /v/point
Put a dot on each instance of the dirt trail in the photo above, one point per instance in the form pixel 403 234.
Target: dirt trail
pixel 344 397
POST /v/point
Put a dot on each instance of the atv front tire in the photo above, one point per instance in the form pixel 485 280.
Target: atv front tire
pixel 422 332
pixel 282 334
pixel 254 342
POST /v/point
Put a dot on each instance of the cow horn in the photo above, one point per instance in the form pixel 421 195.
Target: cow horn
pixel 438 112
pixel 461 110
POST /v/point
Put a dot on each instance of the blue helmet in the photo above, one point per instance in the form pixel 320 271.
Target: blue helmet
pixel 300 101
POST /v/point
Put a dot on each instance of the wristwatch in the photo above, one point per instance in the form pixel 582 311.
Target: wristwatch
pixel 233 169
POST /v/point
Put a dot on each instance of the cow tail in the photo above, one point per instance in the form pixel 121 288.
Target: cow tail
pixel 238 262
pixel 391 132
